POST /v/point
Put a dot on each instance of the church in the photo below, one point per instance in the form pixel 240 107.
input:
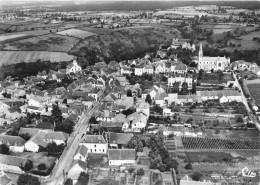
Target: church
pixel 208 63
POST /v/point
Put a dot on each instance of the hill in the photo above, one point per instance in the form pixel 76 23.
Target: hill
pixel 123 44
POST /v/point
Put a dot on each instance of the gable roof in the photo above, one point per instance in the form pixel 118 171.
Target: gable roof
pixel 119 138
pixel 109 98
pixel 30 131
pixel 12 160
pixel 82 150
pixel 39 139
pixel 12 140
pixel 121 154
pixel 57 136
pixel 4 179
pixel 93 139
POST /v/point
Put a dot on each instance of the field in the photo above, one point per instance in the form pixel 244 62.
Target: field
pixel 220 144
pixel 239 134
pixel 213 78
pixel 50 42
pixel 99 31
pixel 14 57
pixel 210 157
pixel 76 33
pixel 9 36
pixel 254 90
pixel 247 42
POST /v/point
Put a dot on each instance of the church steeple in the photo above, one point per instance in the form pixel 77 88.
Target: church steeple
pixel 200 51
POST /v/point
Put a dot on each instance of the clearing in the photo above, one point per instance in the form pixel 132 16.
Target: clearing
pixel 254 89
pixel 76 33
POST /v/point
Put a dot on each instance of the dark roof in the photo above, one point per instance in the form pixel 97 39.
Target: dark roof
pixel 119 138
pixel 82 150
pixel 121 154
pixel 44 125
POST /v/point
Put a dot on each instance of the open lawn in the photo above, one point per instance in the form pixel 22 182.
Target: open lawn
pixel 8 36
pixel 254 90
pixel 14 57
pixel 76 33
pixel 50 42
pixel 210 157
pixel 96 160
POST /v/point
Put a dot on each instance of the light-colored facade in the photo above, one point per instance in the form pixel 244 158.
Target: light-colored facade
pixel 73 67
pixel 209 63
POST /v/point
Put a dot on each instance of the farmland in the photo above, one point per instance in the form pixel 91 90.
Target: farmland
pixel 50 42
pixel 14 57
pixel 220 144
pixel 76 33
pixel 17 35
pixel 210 157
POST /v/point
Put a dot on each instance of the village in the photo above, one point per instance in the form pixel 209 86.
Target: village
pixel 139 121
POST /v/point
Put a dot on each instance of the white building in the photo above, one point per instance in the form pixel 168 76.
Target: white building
pixel 120 157
pixel 73 67
pixel 180 78
pixel 95 143
pixel 81 153
pixel 208 63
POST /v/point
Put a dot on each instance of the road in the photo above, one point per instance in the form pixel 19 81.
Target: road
pixel 252 117
pixel 58 173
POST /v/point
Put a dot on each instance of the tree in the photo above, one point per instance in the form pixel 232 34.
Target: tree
pixel 53 148
pixel 129 93
pixel 83 178
pixel 131 170
pixel 157 109
pixel 197 176
pixel 175 87
pixel 135 143
pixel 25 136
pixel 128 112
pixel 188 166
pixel 140 172
pixel 220 76
pixel 27 165
pixel 67 126
pixel 93 120
pixel 26 179
pixel 56 113
pixel 184 89
pixel 4 149
pixel 239 119
pixel 41 166
pixel 148 99
pixel 68 182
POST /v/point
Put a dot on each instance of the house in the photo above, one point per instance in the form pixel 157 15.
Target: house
pixel 73 67
pixel 209 95
pixel 95 143
pixel 122 80
pixel 15 143
pixel 95 93
pixel 139 70
pixel 126 70
pixel 160 68
pixel 143 108
pixel 12 164
pixel 137 122
pixel 179 68
pixel 4 179
pixel 180 78
pixel 56 137
pixel 81 153
pixel 118 157
pixel 36 142
pixel 172 97
pixel 151 92
pixel 76 168
pixel 187 99
pixel 240 65
pixel 148 69
pixel 229 96
pixel 118 140
pixel 161 99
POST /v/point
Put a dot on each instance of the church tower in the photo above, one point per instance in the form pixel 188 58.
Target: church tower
pixel 200 51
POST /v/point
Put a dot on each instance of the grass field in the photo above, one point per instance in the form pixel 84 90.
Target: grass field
pixel 8 36
pixel 50 42
pixel 254 90
pixel 14 57
pixel 76 33
pixel 210 157
pixel 99 31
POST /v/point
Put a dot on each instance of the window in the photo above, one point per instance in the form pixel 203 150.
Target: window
pixel 95 150
pixel 95 146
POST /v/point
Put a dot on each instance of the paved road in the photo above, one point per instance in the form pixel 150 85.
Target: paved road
pixel 62 167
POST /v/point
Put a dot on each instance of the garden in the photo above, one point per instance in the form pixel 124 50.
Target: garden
pixel 254 90
pixel 210 157
pixel 220 144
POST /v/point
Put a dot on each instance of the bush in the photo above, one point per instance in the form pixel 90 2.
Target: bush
pixel 41 166
pixel 26 179
pixel 4 149
pixel 140 172
pixel 197 176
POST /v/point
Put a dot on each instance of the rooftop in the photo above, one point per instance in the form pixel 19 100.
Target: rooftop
pixel 121 154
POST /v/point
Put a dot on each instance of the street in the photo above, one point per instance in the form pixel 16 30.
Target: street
pixel 58 173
